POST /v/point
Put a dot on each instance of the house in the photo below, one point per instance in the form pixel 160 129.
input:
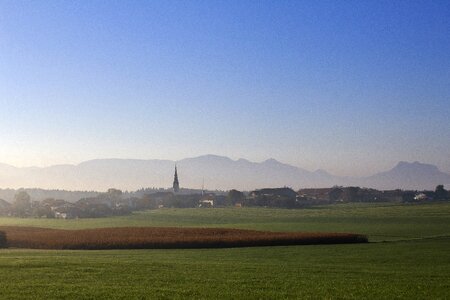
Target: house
pixel 206 203
pixel 315 194
pixel 274 192
pixel 272 197
pixel 67 212
pixel 422 197
pixel 207 200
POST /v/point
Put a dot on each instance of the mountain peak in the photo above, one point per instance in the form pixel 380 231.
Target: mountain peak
pixel 212 157
pixel 243 160
pixel 322 172
pixel 271 161
pixel 408 175
pixel 415 166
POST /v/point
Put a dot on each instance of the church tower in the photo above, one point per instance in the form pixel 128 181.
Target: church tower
pixel 176 184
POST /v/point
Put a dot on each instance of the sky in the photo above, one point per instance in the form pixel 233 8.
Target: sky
pixel 351 87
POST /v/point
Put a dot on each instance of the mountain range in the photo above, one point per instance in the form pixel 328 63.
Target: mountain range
pixel 212 171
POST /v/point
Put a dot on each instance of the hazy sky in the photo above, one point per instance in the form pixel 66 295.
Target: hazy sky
pixel 348 86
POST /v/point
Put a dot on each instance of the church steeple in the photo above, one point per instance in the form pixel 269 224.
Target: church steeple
pixel 176 184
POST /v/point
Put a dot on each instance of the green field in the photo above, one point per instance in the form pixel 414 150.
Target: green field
pixel 409 257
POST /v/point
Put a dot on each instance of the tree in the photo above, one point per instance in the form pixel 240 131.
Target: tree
pixel 335 194
pixel 408 196
pixel 43 211
pixel 440 193
pixel 146 202
pixel 114 193
pixel 22 204
pixel 235 196
pixel 351 194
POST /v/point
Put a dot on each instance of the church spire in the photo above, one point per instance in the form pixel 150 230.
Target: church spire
pixel 176 184
pixel 203 186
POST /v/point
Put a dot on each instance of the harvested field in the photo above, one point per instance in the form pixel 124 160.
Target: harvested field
pixel 163 238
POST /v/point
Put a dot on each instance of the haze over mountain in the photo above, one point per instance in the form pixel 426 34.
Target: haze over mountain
pixel 406 175
pixel 217 172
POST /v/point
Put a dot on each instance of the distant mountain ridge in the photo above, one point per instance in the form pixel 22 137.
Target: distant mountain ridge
pixel 217 172
pixel 406 175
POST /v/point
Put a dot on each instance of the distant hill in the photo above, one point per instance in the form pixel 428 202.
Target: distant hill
pixel 408 176
pixel 217 172
pixel 41 194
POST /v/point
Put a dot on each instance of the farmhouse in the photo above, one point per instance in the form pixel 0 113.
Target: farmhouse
pixel 272 197
pixel 274 192
pixel 67 212
pixel 207 201
pixel 422 197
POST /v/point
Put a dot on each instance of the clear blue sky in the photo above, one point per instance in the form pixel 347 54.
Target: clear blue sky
pixel 347 86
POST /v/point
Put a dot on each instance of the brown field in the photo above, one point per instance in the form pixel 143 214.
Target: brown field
pixel 163 237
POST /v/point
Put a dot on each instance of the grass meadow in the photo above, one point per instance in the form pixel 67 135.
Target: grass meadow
pixel 408 258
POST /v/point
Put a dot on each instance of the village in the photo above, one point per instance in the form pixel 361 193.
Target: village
pixel 114 202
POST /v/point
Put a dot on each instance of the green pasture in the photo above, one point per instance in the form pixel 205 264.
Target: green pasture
pixel 409 258
pixel 378 221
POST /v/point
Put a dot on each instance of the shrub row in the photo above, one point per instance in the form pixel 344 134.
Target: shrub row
pixel 164 237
